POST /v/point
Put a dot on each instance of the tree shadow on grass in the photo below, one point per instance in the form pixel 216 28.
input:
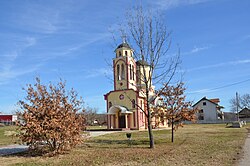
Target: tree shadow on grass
pixel 104 143
pixel 26 152
pixel 21 153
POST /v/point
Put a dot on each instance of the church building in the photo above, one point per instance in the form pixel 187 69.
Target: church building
pixel 125 103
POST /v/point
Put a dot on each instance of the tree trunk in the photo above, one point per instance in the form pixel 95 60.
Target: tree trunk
pixel 150 132
pixel 172 121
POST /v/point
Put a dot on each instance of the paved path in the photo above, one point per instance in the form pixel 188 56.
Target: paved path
pixel 10 149
pixel 98 133
pixel 245 160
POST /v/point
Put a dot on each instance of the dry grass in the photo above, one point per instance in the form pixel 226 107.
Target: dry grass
pixel 194 145
pixel 6 135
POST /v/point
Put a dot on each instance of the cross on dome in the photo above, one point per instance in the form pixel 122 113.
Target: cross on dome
pixel 124 38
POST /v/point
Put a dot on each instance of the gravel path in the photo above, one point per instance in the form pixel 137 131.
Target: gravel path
pixel 245 160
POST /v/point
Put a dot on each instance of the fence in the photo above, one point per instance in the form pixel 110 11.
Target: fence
pixel 7 122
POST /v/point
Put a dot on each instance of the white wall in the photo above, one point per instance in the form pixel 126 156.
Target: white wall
pixel 14 118
pixel 209 111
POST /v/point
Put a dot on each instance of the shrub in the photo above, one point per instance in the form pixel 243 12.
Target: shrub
pixel 49 117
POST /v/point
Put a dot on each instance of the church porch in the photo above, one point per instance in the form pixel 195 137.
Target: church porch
pixel 120 117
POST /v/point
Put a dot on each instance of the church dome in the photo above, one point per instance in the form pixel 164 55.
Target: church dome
pixel 124 45
pixel 142 63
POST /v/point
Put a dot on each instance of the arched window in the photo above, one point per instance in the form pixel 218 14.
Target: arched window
pixel 130 71
pixel 133 71
pixel 123 72
pixel 118 72
pixel 133 103
pixel 110 105
pixel 120 54
pixel 126 53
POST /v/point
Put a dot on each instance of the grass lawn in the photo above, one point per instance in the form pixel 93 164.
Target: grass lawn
pixel 5 138
pixel 194 144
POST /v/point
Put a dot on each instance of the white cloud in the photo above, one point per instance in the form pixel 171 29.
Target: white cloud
pixel 9 73
pixel 98 72
pixel 202 91
pixel 239 62
pixel 246 37
pixel 30 41
pixel 8 61
pixel 168 4
pixel 69 50
pixel 38 18
pixel 6 58
pixel 196 50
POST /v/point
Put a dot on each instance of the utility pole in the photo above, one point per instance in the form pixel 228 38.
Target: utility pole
pixel 237 106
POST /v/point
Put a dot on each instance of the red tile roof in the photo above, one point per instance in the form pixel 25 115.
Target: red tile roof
pixel 216 100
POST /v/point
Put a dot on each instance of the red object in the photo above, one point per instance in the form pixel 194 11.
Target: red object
pixel 216 101
pixel 5 118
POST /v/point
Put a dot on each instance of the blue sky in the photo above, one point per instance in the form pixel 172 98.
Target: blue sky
pixel 71 39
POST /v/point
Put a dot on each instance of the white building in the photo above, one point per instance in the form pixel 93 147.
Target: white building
pixel 209 111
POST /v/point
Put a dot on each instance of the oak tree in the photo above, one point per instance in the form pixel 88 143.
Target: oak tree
pixel 50 119
pixel 174 107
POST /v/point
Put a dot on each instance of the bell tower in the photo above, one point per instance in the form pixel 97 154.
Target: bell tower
pixel 126 104
pixel 124 68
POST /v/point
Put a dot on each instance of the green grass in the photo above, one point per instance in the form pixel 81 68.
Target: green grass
pixel 194 145
pixel 4 138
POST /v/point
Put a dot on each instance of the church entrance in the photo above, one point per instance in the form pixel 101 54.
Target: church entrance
pixel 122 121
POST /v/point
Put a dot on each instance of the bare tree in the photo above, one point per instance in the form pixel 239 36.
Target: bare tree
pixel 90 115
pixel 150 39
pixel 243 101
pixel 49 117
pixel 174 107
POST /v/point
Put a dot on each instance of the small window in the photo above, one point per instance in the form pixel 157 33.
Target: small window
pixel 201 111
pixel 130 71
pixel 204 103
pixel 133 103
pixel 110 104
pixel 123 72
pixel 126 53
pixel 118 72
pixel 120 54
pixel 133 72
